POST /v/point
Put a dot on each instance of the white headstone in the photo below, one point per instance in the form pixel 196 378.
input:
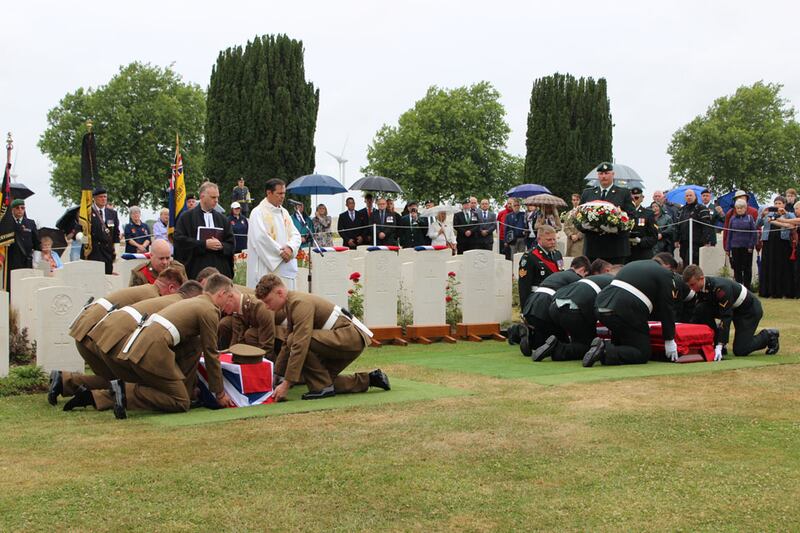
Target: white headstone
pixel 3 334
pixel 381 282
pixel 712 259
pixel 23 301
pixel 567 262
pixel 23 273
pixel 503 284
pixel 87 276
pixel 55 309
pixel 515 267
pixel 113 283
pixel 330 276
pixel 430 280
pixel 561 242
pixel 301 282
pixel 123 267
pixel 406 254
pixel 477 287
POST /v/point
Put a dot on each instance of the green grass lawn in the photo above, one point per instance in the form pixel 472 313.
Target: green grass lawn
pixel 501 450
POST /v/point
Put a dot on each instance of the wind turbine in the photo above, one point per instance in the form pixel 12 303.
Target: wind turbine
pixel 342 163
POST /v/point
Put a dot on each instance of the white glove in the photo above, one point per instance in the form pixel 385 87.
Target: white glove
pixel 671 349
pixel 718 352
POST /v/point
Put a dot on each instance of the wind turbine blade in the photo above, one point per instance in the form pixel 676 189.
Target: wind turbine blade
pixel 347 138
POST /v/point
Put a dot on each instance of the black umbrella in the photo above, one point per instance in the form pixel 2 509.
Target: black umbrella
pixel 19 191
pixel 376 183
pixel 68 220
pixel 59 240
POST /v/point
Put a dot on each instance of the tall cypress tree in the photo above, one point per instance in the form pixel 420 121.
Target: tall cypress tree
pixel 262 115
pixel 569 131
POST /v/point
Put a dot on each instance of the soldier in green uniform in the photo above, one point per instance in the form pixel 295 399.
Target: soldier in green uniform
pixel 726 300
pixel 536 307
pixel 640 289
pixel 572 311
pixel 644 234
pixel 538 263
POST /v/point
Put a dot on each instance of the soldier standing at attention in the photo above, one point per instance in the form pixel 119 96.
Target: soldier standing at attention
pixel 644 234
pixel 613 247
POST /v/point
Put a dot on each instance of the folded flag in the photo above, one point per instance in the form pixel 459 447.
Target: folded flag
pixel 331 249
pixel 145 255
pixel 245 384
pixel 437 247
pixel 389 248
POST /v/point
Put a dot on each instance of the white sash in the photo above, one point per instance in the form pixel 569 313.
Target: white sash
pixel 636 292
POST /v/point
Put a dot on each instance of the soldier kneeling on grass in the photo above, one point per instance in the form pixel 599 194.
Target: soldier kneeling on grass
pixel 726 300
pixel 323 339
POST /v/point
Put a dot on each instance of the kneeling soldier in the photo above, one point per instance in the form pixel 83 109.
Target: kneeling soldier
pixel 323 339
pixel 729 301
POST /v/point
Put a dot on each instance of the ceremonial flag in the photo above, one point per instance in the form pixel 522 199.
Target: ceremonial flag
pixel 428 247
pixel 145 255
pixel 88 181
pixel 324 249
pixel 246 385
pixel 377 248
pixel 7 233
pixel 177 189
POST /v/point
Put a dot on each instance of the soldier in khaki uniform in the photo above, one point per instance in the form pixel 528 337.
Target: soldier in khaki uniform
pixel 66 383
pixel 254 325
pixel 154 353
pixel 108 338
pixel 322 341
pixel 160 259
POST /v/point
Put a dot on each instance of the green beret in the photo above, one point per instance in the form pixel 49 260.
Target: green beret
pixel 605 167
pixel 17 203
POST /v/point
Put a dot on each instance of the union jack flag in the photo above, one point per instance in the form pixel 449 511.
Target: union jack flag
pixel 245 384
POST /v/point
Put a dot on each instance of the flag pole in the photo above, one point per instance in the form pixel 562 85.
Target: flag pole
pixel 4 204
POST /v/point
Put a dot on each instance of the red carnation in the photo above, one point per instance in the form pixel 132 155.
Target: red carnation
pixel 355 276
pixel 451 274
pixel 350 292
pixel 448 299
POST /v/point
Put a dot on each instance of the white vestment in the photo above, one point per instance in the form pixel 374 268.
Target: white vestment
pixel 271 229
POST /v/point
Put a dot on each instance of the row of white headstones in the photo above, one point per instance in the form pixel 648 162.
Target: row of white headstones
pixel 47 304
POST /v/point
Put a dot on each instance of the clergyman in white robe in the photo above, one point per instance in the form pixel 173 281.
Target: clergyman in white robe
pixel 271 229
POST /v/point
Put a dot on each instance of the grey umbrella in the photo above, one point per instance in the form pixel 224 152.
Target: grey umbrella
pixel 624 176
pixel 376 183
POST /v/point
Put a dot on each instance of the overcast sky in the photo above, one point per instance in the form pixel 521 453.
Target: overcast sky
pixel 664 62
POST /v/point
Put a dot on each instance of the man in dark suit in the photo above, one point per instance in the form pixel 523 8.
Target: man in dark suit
pixel 386 224
pixel 484 235
pixel 26 240
pixel 613 247
pixel 351 219
pixel 213 251
pixel 465 222
pixel 105 231
pixel 366 215
pixel 413 230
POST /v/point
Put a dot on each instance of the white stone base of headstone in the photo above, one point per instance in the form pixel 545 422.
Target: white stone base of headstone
pixel 4 334
pixel 381 283
pixel 55 309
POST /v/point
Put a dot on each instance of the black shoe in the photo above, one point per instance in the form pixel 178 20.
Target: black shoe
pixel 378 378
pixel 120 400
pixel 774 343
pixel 525 344
pixel 515 334
pixel 543 352
pixel 56 387
pixel 596 352
pixel 82 398
pixel 318 395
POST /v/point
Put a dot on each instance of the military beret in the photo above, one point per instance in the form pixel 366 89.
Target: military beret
pixel 99 190
pixel 244 354
pixel 465 201
pixel 704 191
pixel 636 190
pixel 605 167
pixel 17 202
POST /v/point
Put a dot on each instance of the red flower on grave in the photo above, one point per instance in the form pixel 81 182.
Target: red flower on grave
pixel 448 299
pixel 355 276
pixel 451 274
pixel 350 292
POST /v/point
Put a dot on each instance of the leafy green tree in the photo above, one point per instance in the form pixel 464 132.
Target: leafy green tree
pixel 262 114
pixel 749 141
pixel 450 144
pixel 569 132
pixel 136 117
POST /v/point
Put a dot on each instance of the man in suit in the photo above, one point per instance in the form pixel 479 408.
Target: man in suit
pixel 613 247
pixel 26 240
pixel 323 340
pixel 465 222
pixel 413 228
pixel 484 234
pixel 104 229
pixel 366 215
pixel 203 251
pixel 348 220
pixel 160 259
pixel 385 224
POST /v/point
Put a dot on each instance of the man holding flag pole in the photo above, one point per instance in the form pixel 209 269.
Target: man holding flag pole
pixel 7 233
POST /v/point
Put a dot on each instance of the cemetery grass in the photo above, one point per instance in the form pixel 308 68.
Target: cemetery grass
pixel 715 451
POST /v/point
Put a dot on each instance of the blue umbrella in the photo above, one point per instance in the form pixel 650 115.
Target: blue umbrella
pixel 676 195
pixel 315 184
pixel 527 189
